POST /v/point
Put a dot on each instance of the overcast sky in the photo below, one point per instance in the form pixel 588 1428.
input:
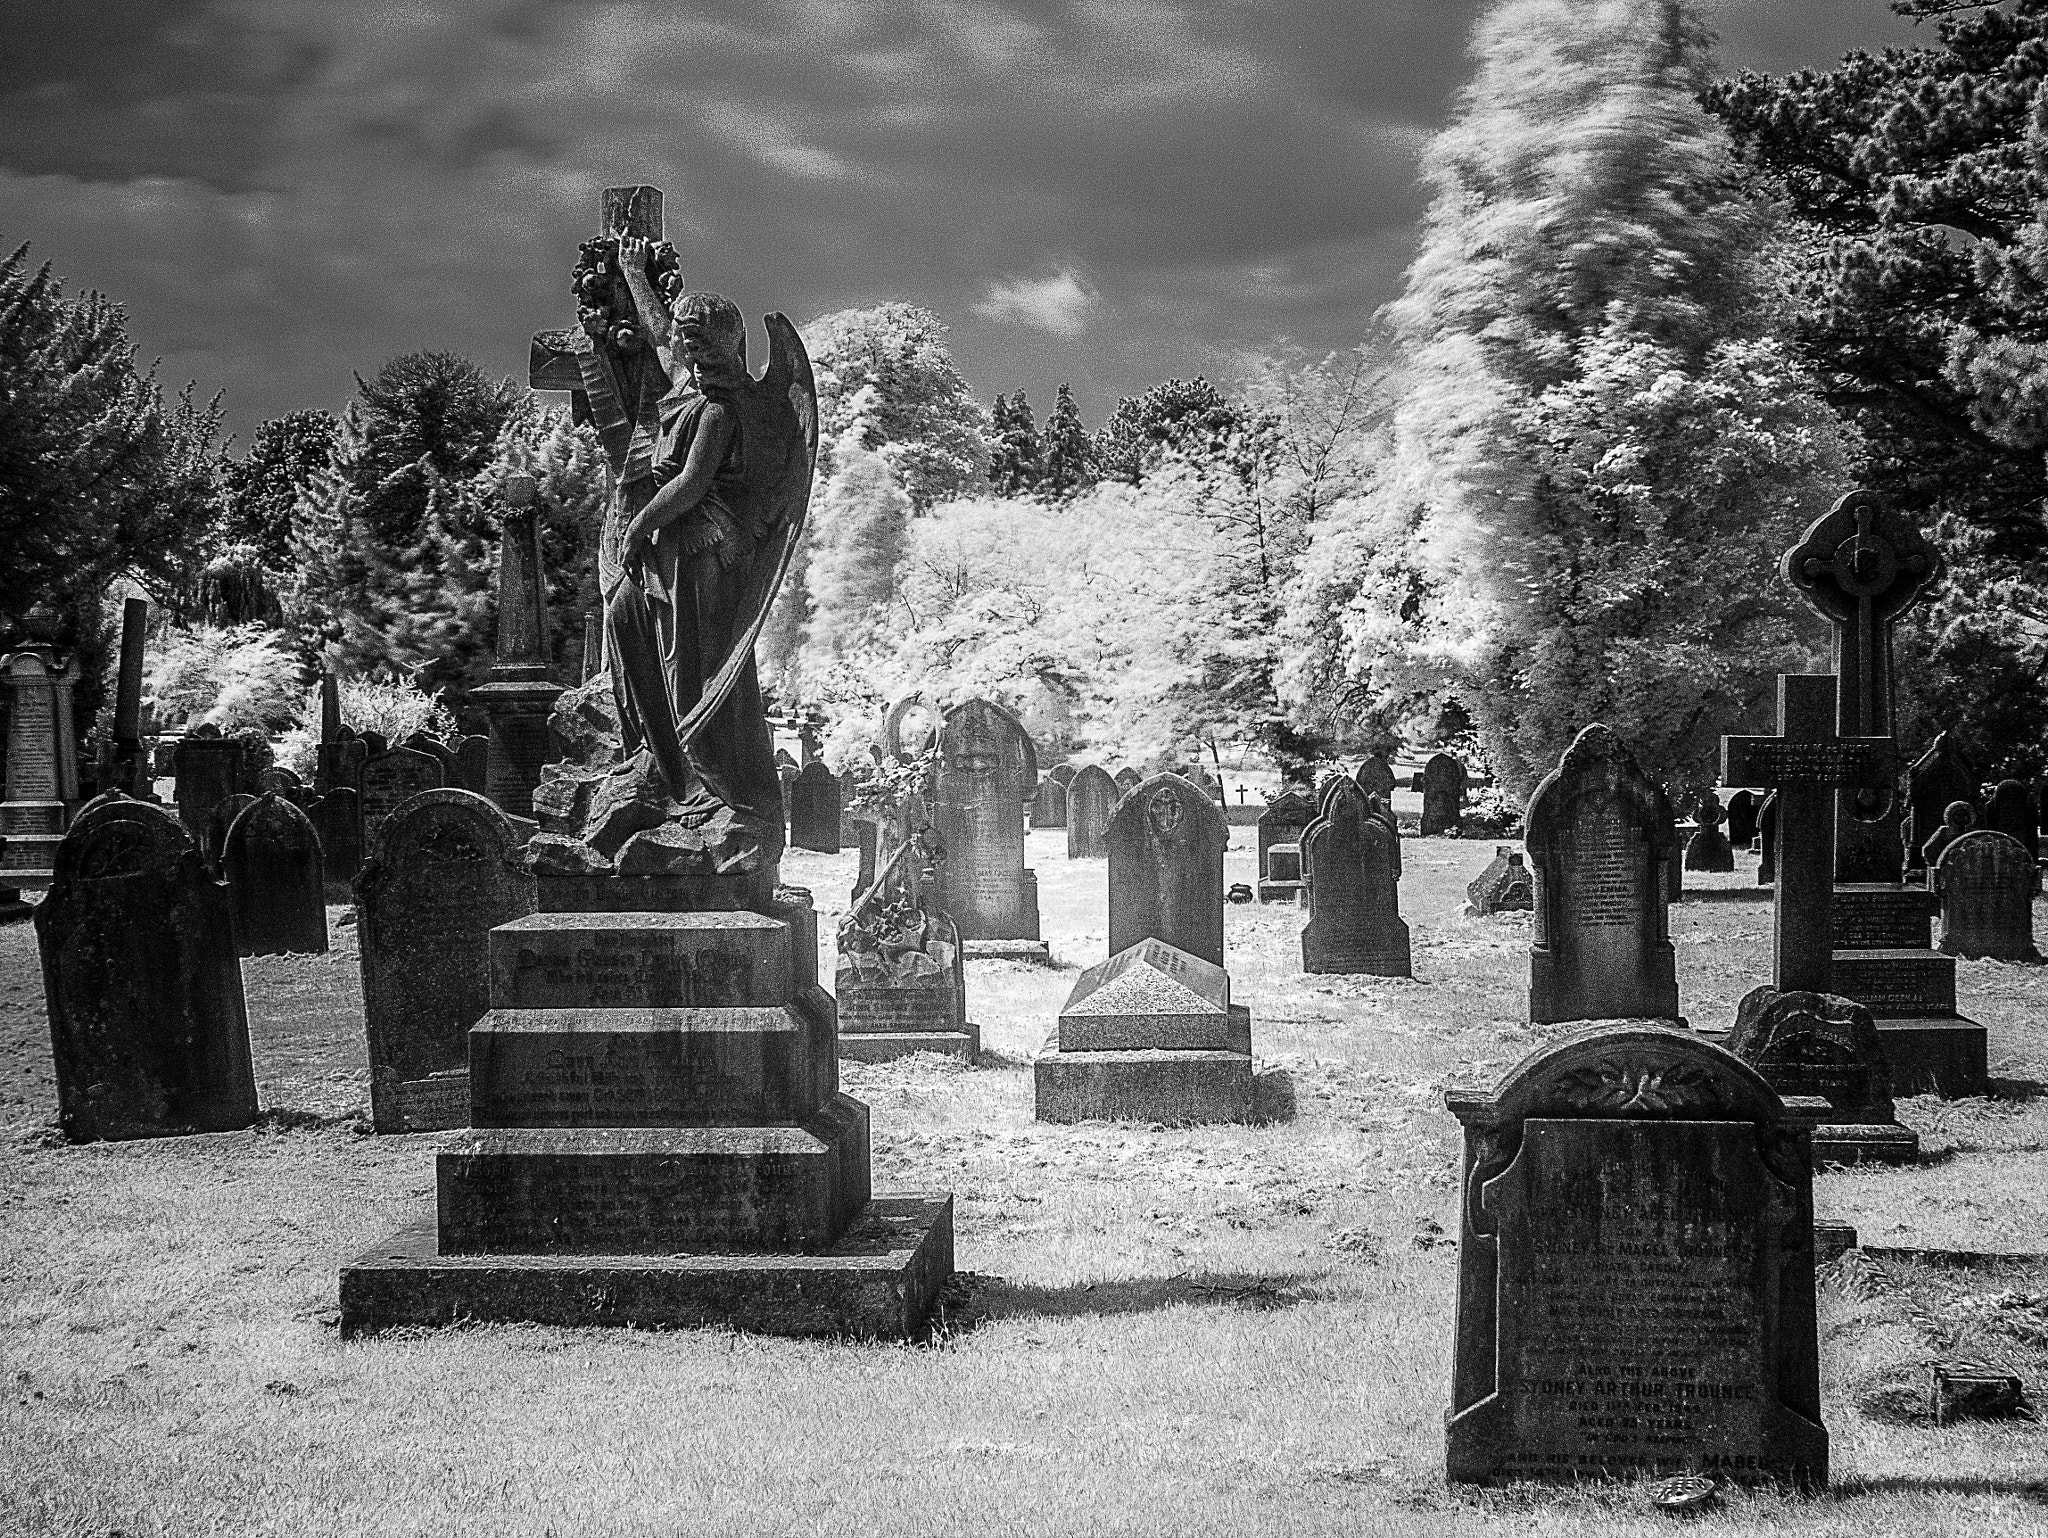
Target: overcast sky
pixel 1110 192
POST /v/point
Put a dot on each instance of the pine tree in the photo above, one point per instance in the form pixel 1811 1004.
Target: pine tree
pixel 1186 419
pixel 1015 465
pixel 1067 465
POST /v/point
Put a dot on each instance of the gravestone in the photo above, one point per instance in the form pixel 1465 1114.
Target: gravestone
pixel 1091 797
pixel 1064 773
pixel 1826 1046
pixel 1278 834
pixel 208 767
pixel 1375 776
pixel 1743 807
pixel 1505 886
pixel 1127 780
pixel 1166 842
pixel 1600 839
pixel 978 809
pixel 344 758
pixel 127 761
pixel 277 882
pixel 338 819
pixel 391 778
pixel 147 1021
pixel 215 844
pixel 901 986
pixel 1635 1259
pixel 1442 783
pixel 1861 566
pixel 443 873
pixel 1348 860
pixel 1709 849
pixel 1149 1035
pixel 1049 806
pixel 2012 812
pixel 814 809
pixel 277 780
pixel 522 690
pixel 470 768
pixel 1985 881
pixel 1938 777
pixel 1957 819
pixel 32 815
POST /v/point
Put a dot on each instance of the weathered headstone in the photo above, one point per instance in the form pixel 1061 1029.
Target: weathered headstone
pixel 32 815
pixel 443 873
pixel 1064 773
pixel 1743 807
pixel 1600 838
pixel 147 1021
pixel 814 809
pixel 1166 842
pixel 215 844
pixel 470 766
pixel 1767 840
pixel 521 690
pixel 280 781
pixel 1375 776
pixel 901 986
pixel 1091 797
pixel 1505 886
pixel 276 879
pixel 1278 836
pixel 1986 881
pixel 1149 1035
pixel 338 819
pixel 209 770
pixel 1709 849
pixel 1939 776
pixel 1957 819
pixel 392 777
pixel 1824 1045
pixel 344 758
pixel 978 810
pixel 1049 806
pixel 1861 565
pixel 2012 812
pixel 1635 1269
pixel 1349 862
pixel 1442 782
pixel 1127 780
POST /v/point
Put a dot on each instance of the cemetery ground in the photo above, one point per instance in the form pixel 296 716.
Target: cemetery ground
pixel 1234 1329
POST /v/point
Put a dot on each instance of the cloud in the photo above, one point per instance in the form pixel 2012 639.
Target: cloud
pixel 1059 304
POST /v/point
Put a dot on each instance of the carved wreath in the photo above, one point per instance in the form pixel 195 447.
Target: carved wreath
pixel 1623 1086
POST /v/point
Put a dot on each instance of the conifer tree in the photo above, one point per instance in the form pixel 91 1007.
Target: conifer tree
pixel 1015 465
pixel 1067 467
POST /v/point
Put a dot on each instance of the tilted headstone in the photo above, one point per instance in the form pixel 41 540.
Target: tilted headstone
pixel 1278 835
pixel 1709 849
pixel 1354 890
pixel 1635 1259
pixel 1824 1045
pixel 147 1021
pixel 814 809
pixel 392 777
pixel 978 809
pixel 1148 1035
pixel 1442 782
pixel 1986 881
pixel 1939 776
pixel 1166 842
pixel 338 819
pixel 276 880
pixel 1600 838
pixel 1505 886
pixel 1743 807
pixel 208 767
pixel 444 873
pixel 1049 806
pixel 1375 776
pixel 1091 797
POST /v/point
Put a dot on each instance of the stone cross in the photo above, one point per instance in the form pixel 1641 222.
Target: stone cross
pixel 1807 763
pixel 552 363
pixel 1861 566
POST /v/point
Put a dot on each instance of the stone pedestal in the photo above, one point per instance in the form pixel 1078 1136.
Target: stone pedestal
pixel 1150 1035
pixel 657 1138
pixel 520 744
pixel 1884 960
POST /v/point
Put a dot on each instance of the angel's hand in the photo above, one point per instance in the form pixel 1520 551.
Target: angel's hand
pixel 633 252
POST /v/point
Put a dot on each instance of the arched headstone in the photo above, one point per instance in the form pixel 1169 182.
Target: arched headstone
pixel 389 778
pixel 1127 780
pixel 814 809
pixel 1375 776
pixel 147 1021
pixel 1742 809
pixel 1442 783
pixel 1936 778
pixel 1049 806
pixel 1986 881
pixel 978 809
pixel 1091 797
pixel 1166 842
pixel 1348 859
pixel 1709 849
pixel 276 880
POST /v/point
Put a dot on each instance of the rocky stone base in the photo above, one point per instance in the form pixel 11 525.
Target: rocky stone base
pixel 1943 1055
pixel 1176 1087
pixel 879 1281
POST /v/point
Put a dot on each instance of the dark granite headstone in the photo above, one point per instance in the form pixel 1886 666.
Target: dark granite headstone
pixel 1635 1260
pixel 1375 776
pixel 985 759
pixel 1936 778
pixel 1986 881
pixel 389 778
pixel 338 819
pixel 1600 837
pixel 1958 818
pixel 1049 806
pixel 2012 812
pixel 147 1021
pixel 1505 886
pixel 276 880
pixel 1278 836
pixel 470 764
pixel 444 873
pixel 1709 849
pixel 1442 782
pixel 1349 861
pixel 1091 797
pixel 814 809
pixel 1743 807
pixel 344 758
pixel 1166 842
pixel 280 781
pixel 208 767
pixel 1824 1045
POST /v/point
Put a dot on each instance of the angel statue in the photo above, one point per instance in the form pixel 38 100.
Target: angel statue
pixel 710 480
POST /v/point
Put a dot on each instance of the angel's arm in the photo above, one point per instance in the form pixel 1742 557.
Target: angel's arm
pixel 715 428
pixel 654 316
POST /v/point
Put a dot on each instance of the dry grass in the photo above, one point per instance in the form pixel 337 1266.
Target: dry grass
pixel 1238 1330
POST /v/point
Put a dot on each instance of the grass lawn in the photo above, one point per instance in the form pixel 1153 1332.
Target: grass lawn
pixel 1227 1330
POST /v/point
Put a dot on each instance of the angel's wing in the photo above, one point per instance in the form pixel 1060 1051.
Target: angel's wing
pixel 779 438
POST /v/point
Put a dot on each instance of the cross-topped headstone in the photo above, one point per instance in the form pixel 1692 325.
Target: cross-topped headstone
pixel 1807 763
pixel 1861 566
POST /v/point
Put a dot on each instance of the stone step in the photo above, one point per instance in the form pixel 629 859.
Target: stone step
pixel 649 1067
pixel 641 961
pixel 1943 1056
pixel 655 1190
pixel 31 818
pixel 1171 1087
pixel 1897 982
pixel 1281 891
pixel 1864 1143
